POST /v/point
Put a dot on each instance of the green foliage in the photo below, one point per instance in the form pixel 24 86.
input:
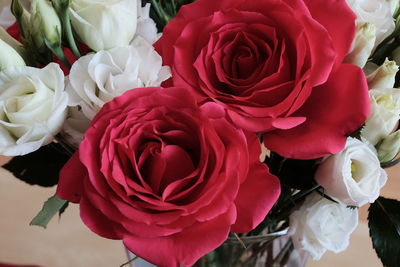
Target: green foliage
pixel 162 11
pixel 40 167
pixel 384 229
pixel 50 208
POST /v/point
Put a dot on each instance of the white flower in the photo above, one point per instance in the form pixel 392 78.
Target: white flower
pixel 97 78
pixel 33 108
pixel 12 42
pixel 384 114
pixel 6 17
pixel 363 44
pixel 75 126
pixel 354 176
pixel 321 224
pixel 9 57
pixel 377 12
pixel 384 76
pixel 146 27
pixel 104 24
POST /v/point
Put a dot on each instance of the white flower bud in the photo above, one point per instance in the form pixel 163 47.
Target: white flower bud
pixel 12 42
pixel 362 45
pixel 9 57
pixel 384 114
pixel 384 76
pixel 103 25
pixel 45 23
pixel 354 176
pixel 389 147
pixel 320 225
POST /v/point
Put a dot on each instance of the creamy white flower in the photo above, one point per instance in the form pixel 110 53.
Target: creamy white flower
pixel 97 78
pixel 33 108
pixel 384 114
pixel 104 24
pixel 384 76
pixel 354 176
pixel 321 224
pixel 146 27
pixel 363 44
pixel 6 17
pixel 9 57
pixel 377 12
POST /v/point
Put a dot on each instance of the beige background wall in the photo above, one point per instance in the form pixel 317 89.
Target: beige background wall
pixel 68 242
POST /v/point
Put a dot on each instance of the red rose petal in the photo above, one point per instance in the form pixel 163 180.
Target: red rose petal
pixel 71 179
pixel 334 110
pixel 184 248
pixel 259 191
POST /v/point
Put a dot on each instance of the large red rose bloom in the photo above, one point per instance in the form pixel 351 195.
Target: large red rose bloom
pixel 167 177
pixel 276 66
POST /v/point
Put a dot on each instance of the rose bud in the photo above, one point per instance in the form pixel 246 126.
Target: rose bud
pixel 103 25
pixel 384 116
pixel 321 224
pixel 384 76
pixel 389 148
pixel 362 45
pixel 33 108
pixel 354 176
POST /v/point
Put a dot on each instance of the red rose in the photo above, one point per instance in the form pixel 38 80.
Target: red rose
pixel 169 178
pixel 276 66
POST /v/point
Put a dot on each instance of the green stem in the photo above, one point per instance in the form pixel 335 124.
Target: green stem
pixel 68 32
pixel 57 50
pixel 160 11
pixel 129 261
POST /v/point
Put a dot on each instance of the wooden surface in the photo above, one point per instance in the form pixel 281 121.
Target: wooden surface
pixel 69 243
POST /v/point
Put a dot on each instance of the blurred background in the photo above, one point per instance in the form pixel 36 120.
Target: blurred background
pixel 67 242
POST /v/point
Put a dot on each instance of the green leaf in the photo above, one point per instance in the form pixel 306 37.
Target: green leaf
pixel 40 167
pixel 384 229
pixel 50 208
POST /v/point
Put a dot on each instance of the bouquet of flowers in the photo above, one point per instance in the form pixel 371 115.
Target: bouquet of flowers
pixel 207 133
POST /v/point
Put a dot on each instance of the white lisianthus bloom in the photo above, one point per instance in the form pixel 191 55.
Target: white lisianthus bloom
pixel 384 114
pixel 97 78
pixel 363 44
pixel 354 176
pixel 377 12
pixel 321 224
pixel 146 27
pixel 104 24
pixel 6 17
pixel 33 108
